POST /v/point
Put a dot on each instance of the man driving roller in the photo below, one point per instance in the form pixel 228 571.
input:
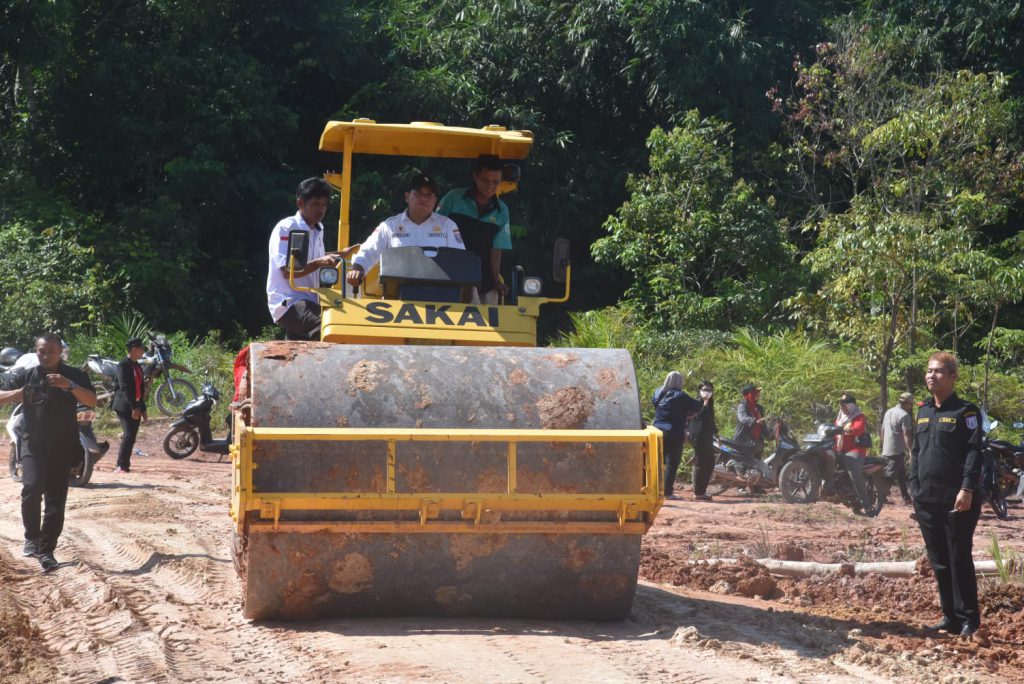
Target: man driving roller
pixel 417 226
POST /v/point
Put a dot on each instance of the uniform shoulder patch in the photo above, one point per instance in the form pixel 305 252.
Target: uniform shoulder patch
pixel 972 422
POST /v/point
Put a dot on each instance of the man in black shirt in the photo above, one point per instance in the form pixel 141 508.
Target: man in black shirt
pixel 50 393
pixel 945 464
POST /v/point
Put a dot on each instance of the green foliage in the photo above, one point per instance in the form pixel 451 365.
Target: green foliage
pixel 902 177
pixel 1008 347
pixel 704 251
pixel 50 282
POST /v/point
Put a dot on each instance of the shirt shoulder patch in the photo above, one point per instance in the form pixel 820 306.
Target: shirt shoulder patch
pixel 972 422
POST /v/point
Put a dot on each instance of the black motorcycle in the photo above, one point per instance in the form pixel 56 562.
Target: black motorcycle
pixel 170 397
pixel 1001 471
pixel 737 466
pixel 8 357
pixel 192 430
pixel 815 473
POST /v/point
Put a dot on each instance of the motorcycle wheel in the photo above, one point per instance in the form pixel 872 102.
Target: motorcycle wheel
pixel 184 392
pixel 181 442
pixel 878 487
pixel 799 482
pixel 716 487
pixel 997 501
pixel 15 466
pixel 80 477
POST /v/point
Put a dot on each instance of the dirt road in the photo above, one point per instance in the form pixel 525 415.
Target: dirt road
pixel 148 593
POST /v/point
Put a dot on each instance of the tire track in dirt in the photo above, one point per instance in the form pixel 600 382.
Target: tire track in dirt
pixel 155 598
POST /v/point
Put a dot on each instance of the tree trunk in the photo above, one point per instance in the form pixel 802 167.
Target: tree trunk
pixel 988 356
pixel 912 333
pixel 886 360
pixel 781 568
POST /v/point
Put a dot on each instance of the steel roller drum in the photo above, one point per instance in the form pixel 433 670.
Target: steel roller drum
pixel 313 573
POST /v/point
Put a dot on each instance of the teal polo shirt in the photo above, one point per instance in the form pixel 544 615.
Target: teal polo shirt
pixel 459 202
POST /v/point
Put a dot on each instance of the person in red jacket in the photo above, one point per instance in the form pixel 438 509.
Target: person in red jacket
pixel 850 451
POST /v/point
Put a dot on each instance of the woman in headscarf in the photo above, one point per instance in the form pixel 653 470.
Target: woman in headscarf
pixel 848 448
pixel 702 431
pixel 672 407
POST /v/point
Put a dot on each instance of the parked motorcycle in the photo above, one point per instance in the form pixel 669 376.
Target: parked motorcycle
pixel 170 397
pixel 8 357
pixel 1001 472
pixel 192 430
pixel 736 465
pixel 92 449
pixel 815 472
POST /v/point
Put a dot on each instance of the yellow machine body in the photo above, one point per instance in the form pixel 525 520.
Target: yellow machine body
pixel 427 458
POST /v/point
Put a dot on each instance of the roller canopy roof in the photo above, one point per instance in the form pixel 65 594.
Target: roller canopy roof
pixel 423 139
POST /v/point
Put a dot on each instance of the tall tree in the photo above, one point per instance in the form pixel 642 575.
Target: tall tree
pixel 703 249
pixel 901 177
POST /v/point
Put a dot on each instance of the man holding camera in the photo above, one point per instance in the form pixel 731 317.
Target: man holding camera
pixel 50 393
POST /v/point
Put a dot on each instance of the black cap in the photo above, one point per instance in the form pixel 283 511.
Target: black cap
pixel 133 343
pixel 847 398
pixel 748 388
pixel 421 180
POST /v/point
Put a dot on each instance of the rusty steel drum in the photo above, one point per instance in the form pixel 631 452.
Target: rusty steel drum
pixel 314 566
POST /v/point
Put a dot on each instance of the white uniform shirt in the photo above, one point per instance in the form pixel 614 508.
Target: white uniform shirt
pixel 400 231
pixel 280 295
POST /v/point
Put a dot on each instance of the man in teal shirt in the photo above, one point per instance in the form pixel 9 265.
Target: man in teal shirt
pixel 483 221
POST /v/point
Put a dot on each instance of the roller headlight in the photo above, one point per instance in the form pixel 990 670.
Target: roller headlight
pixel 328 276
pixel 532 286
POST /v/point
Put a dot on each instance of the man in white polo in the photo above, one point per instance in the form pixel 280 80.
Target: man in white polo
pixel 299 312
pixel 417 226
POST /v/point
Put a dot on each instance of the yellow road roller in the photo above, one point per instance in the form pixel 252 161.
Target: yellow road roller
pixel 426 457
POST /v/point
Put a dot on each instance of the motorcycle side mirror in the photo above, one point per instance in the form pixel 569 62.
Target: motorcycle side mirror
pixel 560 260
pixel 298 247
pixel 1018 425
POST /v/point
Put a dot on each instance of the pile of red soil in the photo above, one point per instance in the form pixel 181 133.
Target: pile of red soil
pixel 745 577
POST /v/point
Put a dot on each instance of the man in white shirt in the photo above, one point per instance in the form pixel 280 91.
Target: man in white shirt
pixel 299 312
pixel 417 226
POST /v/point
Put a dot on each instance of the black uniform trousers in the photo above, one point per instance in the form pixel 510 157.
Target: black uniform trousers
pixel 301 321
pixel 44 480
pixel 673 446
pixel 130 428
pixel 949 540
pixel 703 464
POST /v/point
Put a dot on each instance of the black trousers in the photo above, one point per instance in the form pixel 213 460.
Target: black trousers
pixel 301 321
pixel 130 428
pixel 703 465
pixel 673 457
pixel 949 540
pixel 44 480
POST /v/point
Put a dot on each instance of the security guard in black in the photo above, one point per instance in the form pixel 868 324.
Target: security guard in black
pixel 945 461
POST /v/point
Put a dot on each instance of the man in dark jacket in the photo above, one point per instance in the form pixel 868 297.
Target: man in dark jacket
pixel 945 464
pixel 50 393
pixel 750 420
pixel 129 402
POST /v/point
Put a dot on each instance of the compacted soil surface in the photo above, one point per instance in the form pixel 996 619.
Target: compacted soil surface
pixel 147 593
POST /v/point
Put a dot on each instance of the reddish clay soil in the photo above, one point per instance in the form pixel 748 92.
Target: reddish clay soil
pixel 146 592
pixel 883 615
